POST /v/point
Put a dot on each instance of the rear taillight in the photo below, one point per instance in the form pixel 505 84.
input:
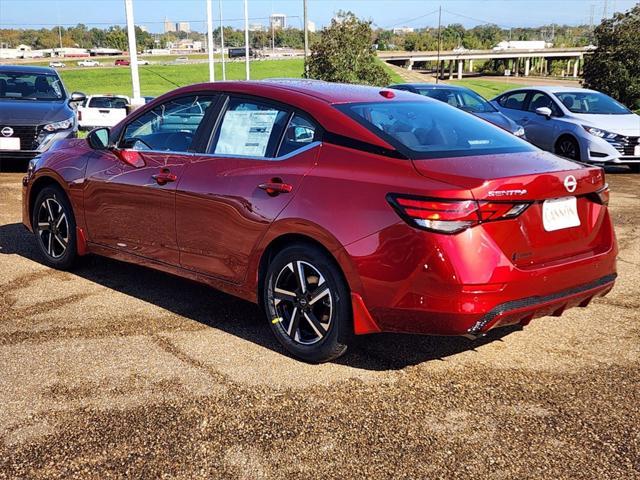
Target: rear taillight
pixel 451 216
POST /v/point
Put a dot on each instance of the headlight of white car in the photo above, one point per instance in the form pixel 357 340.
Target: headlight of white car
pixel 62 125
pixel 598 132
pixel 519 132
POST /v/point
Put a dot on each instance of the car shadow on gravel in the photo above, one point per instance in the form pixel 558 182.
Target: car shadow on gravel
pixel 238 317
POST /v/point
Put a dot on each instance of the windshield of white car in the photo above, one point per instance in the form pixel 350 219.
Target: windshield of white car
pixel 428 129
pixel 467 101
pixel 594 103
pixel 30 86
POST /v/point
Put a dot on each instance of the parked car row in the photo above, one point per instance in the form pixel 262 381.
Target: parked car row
pixel 575 123
pixel 95 63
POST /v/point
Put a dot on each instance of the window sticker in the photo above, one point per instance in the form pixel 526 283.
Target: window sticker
pixel 246 132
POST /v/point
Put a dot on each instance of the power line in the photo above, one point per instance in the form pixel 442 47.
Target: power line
pixel 409 20
pixel 124 23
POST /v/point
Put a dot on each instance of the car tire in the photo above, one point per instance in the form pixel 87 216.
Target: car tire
pixel 55 227
pixel 634 167
pixel 307 302
pixel 568 147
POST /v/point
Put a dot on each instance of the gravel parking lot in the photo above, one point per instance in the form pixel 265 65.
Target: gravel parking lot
pixel 117 371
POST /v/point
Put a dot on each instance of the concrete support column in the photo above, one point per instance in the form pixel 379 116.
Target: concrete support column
pixel 450 69
pixel 516 67
pixel 408 64
pixel 576 65
pixel 470 66
pixel 527 66
pixel 460 68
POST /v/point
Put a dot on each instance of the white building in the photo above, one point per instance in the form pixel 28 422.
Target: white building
pixel 277 20
pixel 256 27
pixel 169 26
pixel 402 30
pixel 311 26
pixel 183 27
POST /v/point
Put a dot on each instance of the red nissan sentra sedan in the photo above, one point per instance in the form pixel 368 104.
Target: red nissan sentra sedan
pixel 339 209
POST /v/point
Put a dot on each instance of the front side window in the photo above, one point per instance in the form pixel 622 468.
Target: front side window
pixel 539 100
pixel 171 126
pixel 467 101
pixel 591 103
pixel 30 86
pixel 249 129
pixel 514 100
pixel 434 130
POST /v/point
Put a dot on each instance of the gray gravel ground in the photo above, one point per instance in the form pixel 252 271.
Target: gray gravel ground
pixel 115 371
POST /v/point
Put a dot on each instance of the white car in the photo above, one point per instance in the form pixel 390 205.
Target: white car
pixel 56 65
pixel 102 111
pixel 88 63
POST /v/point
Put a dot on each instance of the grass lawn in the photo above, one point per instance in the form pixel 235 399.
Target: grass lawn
pixel 487 88
pixel 158 79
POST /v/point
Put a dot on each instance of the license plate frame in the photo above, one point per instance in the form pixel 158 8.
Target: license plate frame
pixel 10 143
pixel 560 213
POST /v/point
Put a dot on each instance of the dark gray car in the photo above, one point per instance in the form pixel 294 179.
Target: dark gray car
pixel 35 111
pixel 464 99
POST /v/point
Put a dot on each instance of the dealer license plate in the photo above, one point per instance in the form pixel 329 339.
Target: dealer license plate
pixel 559 213
pixel 11 143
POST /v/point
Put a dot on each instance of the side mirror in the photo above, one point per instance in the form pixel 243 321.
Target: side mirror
pixel 544 111
pixel 98 138
pixel 77 97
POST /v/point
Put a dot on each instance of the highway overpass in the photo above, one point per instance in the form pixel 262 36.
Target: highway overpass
pixel 530 60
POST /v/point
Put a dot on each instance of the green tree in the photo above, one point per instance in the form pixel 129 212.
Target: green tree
pixel 614 67
pixel 344 53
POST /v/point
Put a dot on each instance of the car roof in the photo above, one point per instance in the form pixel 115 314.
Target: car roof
pixel 26 69
pixel 549 89
pixel 430 86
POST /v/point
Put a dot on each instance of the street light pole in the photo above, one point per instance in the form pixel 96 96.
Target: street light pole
pixel 306 39
pixel 136 100
pixel 212 70
pixel 224 70
pixel 246 39
pixel 439 43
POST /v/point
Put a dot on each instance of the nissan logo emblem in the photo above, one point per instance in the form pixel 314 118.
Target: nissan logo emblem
pixel 570 183
pixel 7 131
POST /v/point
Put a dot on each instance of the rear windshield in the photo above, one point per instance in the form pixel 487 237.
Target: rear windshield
pixel 431 129
pixel 592 102
pixel 107 102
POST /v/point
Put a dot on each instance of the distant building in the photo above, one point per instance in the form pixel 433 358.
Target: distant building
pixel 143 28
pixel 169 26
pixel 311 26
pixel 277 21
pixel 402 30
pixel 256 27
pixel 183 27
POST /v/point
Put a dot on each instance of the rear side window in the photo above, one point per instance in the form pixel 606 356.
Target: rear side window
pixel 429 129
pixel 514 100
pixel 299 133
pixel 249 129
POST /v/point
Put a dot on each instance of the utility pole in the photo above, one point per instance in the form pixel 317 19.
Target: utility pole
pixel 306 40
pixel 212 70
pixel 605 9
pixel 439 42
pixel 136 100
pixel 224 70
pixel 246 39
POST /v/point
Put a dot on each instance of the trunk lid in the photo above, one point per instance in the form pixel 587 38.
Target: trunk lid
pixel 531 178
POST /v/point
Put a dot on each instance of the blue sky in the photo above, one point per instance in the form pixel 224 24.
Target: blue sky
pixel 384 13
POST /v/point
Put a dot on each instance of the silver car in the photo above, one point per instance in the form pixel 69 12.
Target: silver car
pixel 575 123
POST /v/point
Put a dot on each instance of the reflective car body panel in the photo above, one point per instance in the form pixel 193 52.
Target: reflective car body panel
pixel 217 218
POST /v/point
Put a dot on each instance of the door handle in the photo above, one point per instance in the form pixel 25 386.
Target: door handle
pixel 165 176
pixel 275 187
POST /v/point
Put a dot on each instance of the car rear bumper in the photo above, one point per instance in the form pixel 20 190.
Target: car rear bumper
pixel 431 289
